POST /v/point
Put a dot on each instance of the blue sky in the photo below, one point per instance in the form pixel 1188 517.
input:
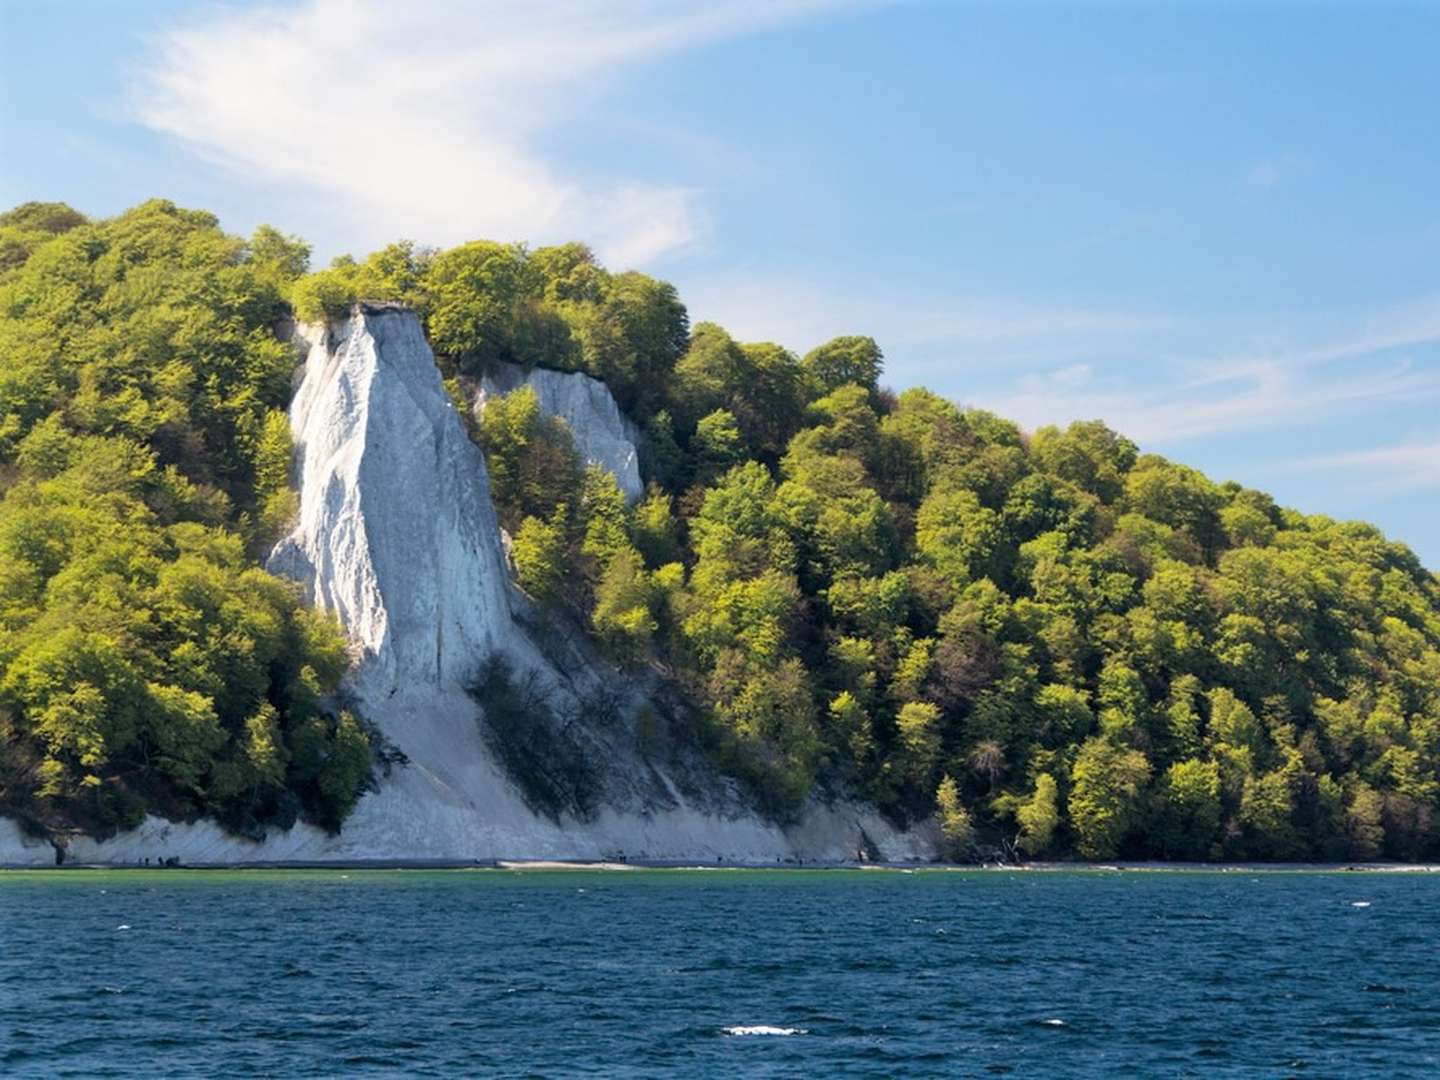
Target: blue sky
pixel 1215 226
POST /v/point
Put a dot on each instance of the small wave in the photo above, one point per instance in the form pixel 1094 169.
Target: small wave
pixel 1360 903
pixel 764 1029
pixel 123 926
pixel 1053 1022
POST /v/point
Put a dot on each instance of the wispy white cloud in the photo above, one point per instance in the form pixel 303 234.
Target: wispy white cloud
pixel 1386 358
pixel 1396 327
pixel 424 119
pixel 1405 467
pixel 799 314
pixel 1173 410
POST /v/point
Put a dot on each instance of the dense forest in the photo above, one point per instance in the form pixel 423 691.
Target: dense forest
pixel 1050 641
pixel 145 659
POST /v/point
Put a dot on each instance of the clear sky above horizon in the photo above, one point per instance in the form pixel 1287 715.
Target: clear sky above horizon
pixel 1214 226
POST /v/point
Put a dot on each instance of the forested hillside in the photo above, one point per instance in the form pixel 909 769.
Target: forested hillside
pixel 145 660
pixel 1048 639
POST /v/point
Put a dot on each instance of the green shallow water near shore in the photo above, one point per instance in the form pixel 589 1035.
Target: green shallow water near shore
pixel 718 972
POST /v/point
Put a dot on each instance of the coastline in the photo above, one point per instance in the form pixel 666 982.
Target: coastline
pixel 611 866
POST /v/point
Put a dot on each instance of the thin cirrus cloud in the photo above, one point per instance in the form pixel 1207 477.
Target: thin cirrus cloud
pixel 798 313
pixel 1407 467
pixel 1050 364
pixel 425 119
pixel 1263 395
pixel 1384 360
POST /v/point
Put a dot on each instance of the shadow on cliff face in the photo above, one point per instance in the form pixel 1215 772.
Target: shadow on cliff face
pixel 539 749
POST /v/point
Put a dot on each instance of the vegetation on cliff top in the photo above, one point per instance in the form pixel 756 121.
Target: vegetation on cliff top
pixel 1048 639
pixel 146 662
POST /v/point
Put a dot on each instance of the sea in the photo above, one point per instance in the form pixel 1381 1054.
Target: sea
pixel 718 973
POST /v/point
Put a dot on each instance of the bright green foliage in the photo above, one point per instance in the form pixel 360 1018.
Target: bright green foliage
pixel 604 517
pixel 631 337
pixel 1176 496
pixel 1107 783
pixel 957 535
pixel 918 726
pixel 1039 816
pixel 1087 454
pixel 393 274
pixel 850 731
pixel 154 327
pixel 145 663
pixel 278 502
pixel 762 386
pixel 534 468
pixel 655 530
pixel 956 830
pixel 841 526
pixel 279 258
pixel 716 446
pixel 539 552
pixel 772 721
pixel 1188 816
pixel 624 601
pixel 476 302
pixel 332 754
pixel 710 375
pixel 1365 823
pixel 843 360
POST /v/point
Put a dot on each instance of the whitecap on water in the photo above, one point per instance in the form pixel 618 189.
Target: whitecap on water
pixel 764 1029
pixel 1360 903
pixel 1053 1022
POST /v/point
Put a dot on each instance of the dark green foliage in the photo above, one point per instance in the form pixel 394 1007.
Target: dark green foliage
pixel 852 360
pixel 29 225
pixel 536 746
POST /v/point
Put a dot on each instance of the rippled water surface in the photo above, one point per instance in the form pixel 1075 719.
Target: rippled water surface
pixel 713 973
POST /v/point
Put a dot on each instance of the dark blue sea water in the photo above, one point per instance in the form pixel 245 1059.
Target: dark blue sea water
pixel 650 973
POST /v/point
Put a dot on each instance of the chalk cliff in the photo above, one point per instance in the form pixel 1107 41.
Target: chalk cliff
pixel 397 536
pixel 603 435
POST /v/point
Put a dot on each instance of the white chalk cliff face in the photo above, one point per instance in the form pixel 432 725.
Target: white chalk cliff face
pixel 397 536
pixel 603 435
